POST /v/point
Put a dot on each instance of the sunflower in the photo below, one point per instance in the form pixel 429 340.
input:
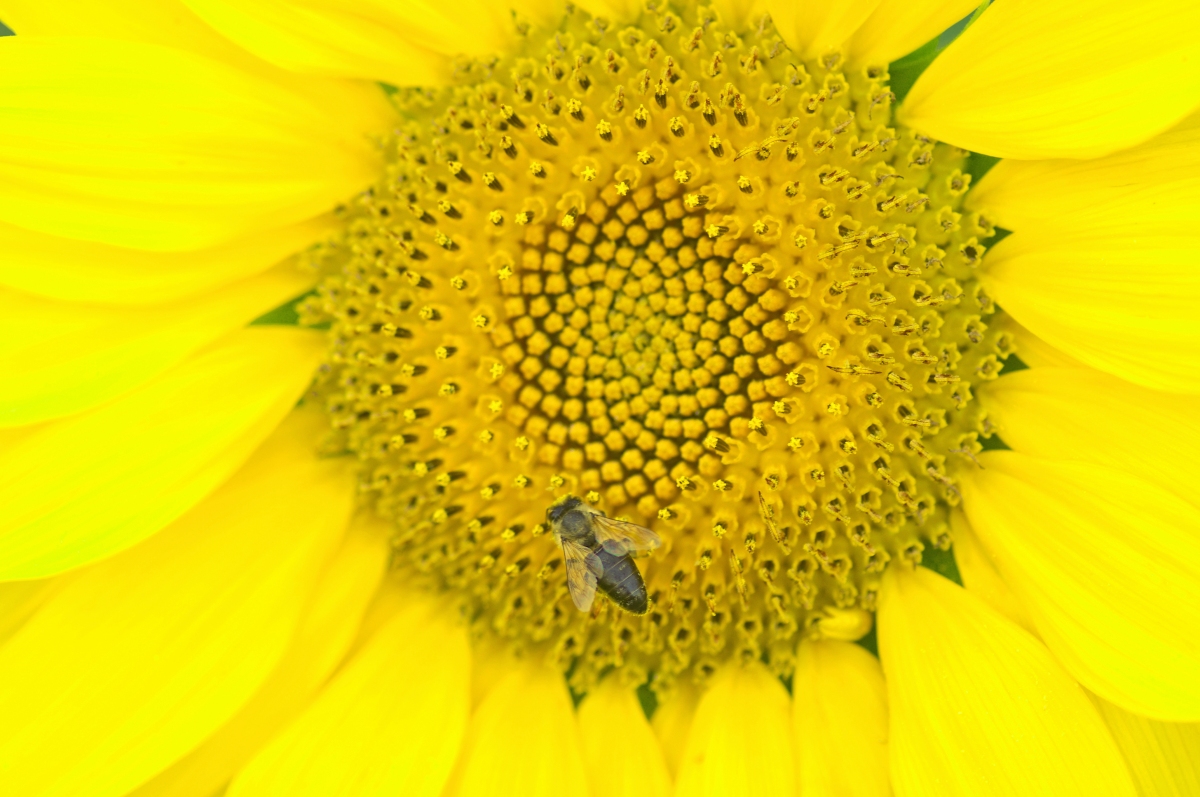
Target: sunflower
pixel 311 310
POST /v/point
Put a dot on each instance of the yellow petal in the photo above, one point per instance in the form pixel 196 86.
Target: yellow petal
pixel 1163 757
pixel 20 599
pixel 897 27
pixel 1035 352
pixel 138 659
pixel 1153 187
pixel 1062 78
pixel 83 271
pixel 525 737
pixel 1079 413
pixel 672 721
pixel 979 574
pixel 400 43
pixel 154 21
pixel 979 706
pixel 391 597
pixel 85 487
pixel 491 660
pixel 59 358
pixel 740 743
pixel 390 722
pixel 812 29
pixel 611 711
pixel 1100 266
pixel 330 622
pixel 1114 300
pixel 841 721
pixel 148 147
pixel 540 13
pixel 1108 567
pixel 740 13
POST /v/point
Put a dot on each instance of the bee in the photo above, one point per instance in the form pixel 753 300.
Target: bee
pixel 597 551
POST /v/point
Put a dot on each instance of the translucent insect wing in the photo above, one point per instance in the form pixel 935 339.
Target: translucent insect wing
pixel 583 570
pixel 621 537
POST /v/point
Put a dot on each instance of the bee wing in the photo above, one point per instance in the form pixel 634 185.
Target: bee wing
pixel 620 537
pixel 583 569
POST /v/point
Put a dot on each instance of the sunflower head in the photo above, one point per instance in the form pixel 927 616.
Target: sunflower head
pixel 702 271
pixel 701 283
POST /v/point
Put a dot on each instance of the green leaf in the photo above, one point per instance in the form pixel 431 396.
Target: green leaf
pixel 942 563
pixel 905 71
pixel 285 314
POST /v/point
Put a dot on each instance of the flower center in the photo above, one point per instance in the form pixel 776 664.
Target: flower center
pixel 690 278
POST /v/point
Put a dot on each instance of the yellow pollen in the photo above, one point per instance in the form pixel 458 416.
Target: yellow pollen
pixel 707 287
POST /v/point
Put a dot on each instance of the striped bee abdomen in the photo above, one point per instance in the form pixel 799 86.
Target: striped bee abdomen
pixel 622 582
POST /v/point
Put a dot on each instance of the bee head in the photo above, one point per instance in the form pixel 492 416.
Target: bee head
pixel 562 507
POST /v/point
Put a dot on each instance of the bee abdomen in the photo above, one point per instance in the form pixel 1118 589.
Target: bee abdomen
pixel 622 582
